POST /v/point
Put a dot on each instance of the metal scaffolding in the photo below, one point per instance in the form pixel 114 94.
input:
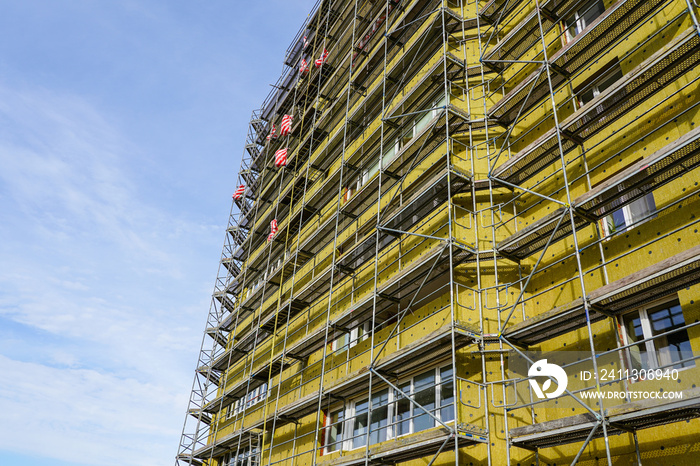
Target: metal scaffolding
pixel 445 207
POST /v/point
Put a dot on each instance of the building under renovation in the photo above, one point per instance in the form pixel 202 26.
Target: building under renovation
pixel 436 197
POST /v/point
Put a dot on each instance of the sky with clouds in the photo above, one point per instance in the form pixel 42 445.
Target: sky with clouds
pixel 122 124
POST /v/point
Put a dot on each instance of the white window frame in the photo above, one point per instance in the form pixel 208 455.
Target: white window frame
pixel 627 214
pixel 647 333
pixel 608 72
pixel 349 412
pixel 327 432
pixel 353 338
pixel 385 158
pixel 434 111
pixel 579 20
pixel 251 398
pixel 245 457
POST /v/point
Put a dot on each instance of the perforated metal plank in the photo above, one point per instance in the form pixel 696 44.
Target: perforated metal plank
pixel 534 237
pixel 614 23
pixel 675 59
pixel 651 283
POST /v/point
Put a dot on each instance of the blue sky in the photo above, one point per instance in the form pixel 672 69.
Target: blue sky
pixel 121 129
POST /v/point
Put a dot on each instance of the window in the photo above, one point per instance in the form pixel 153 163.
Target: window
pixel 341 343
pixel 359 428
pixel 628 215
pixel 252 398
pixel 582 18
pixel 623 214
pixel 393 414
pixel 368 173
pixel 606 78
pixel 245 457
pixel 348 340
pixel 334 430
pixel 378 427
pixel 256 395
pixel 425 118
pixel 402 419
pixel 365 175
pixel 663 351
pixel 447 399
pixel 424 394
pixel 390 150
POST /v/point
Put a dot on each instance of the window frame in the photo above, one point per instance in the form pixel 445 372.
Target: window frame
pixel 625 209
pixel 651 346
pixel 630 221
pixel 579 18
pixel 350 412
pixel 353 337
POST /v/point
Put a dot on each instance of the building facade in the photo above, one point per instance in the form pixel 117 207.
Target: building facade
pixel 464 233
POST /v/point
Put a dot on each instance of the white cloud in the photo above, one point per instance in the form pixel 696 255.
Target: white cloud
pixel 106 290
pixel 86 416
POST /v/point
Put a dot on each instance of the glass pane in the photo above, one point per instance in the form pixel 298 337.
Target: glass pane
pixel 586 96
pixel 640 208
pixel 639 359
pixel 424 389
pixel 673 347
pixel 335 431
pixel 422 122
pixel 571 27
pixel 590 12
pixel 380 417
pixel 390 150
pixel 403 411
pixel 611 76
pixel 447 409
pixel 342 342
pixel 359 430
pixel 616 221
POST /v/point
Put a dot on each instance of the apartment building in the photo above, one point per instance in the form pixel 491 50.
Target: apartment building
pixel 436 197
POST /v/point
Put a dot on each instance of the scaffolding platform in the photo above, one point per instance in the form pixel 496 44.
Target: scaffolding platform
pixel 429 139
pixel 409 64
pixel 433 347
pixel 636 181
pixel 189 459
pixel 407 448
pixel 221 363
pixel 629 417
pixel 231 266
pixel 226 303
pixel 648 174
pixel 279 319
pixel 400 290
pixel 526 33
pixel 616 21
pixel 417 202
pixel 244 385
pixel 217 335
pixel 237 233
pixel 678 57
pixel 221 445
pixel 288 226
pixel 251 178
pixel 661 279
pixel 289 266
pixel 198 414
pixel 424 198
pixel 447 65
pixel 312 341
pixel 534 237
pixel 495 10
pixel 292 412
